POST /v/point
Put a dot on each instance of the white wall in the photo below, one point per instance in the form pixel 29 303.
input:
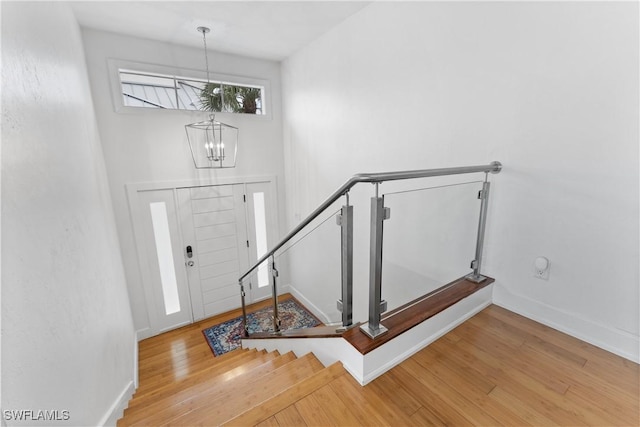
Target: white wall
pixel 549 89
pixel 151 145
pixel 67 331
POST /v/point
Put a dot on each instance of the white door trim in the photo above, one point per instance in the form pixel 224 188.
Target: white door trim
pixel 133 187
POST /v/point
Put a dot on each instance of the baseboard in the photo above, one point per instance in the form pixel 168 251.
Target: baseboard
pixel 389 355
pixel 613 340
pixel 144 333
pixel 117 408
pixel 136 382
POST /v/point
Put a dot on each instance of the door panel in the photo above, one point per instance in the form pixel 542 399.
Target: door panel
pixel 221 294
pixel 214 204
pixel 218 282
pixel 213 218
pixel 222 230
pixel 213 221
pixel 210 191
pixel 220 269
pixel 215 243
pixel 217 256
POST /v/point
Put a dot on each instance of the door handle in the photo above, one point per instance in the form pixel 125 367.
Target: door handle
pixel 189 252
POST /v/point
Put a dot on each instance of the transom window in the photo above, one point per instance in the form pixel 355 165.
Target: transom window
pixel 147 90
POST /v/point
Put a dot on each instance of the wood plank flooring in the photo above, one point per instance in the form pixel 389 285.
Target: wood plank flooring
pixel 497 368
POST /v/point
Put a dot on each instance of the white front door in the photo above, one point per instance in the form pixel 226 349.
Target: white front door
pixel 195 242
pixel 214 231
pixel 168 301
pixel 225 230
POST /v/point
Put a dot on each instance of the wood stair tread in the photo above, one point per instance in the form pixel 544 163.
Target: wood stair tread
pixel 213 365
pixel 287 396
pixel 164 364
pixel 206 378
pixel 173 406
pixel 176 355
pixel 165 360
pixel 235 399
pixel 166 378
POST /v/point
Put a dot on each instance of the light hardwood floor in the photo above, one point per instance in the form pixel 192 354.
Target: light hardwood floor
pixel 497 368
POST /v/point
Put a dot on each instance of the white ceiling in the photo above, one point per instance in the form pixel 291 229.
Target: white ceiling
pixel 262 29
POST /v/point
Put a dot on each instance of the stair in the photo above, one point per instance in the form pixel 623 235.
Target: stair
pixel 242 387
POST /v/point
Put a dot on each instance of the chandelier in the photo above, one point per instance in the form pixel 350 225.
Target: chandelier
pixel 213 144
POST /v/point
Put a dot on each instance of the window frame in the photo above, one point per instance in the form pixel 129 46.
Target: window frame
pixel 115 66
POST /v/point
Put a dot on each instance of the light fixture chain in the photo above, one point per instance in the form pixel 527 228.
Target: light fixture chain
pixel 206 57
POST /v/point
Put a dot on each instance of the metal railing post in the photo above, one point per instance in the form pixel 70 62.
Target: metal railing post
pixel 476 264
pixel 345 304
pixel 273 273
pixel 376 306
pixel 245 327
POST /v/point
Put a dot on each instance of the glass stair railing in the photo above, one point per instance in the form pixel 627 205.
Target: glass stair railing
pixel 424 231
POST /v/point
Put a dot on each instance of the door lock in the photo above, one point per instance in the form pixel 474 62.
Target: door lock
pixel 190 263
pixel 189 252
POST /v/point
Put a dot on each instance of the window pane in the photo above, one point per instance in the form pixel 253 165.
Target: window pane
pixel 242 99
pixel 160 91
pixel 146 79
pixel 204 96
pixel 143 90
pixel 164 251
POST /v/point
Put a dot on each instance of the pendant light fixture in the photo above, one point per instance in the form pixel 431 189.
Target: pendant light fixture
pixel 213 144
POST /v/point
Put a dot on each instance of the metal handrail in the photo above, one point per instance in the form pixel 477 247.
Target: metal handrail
pixel 493 167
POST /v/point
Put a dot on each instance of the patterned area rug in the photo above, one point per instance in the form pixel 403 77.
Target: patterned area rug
pixel 226 336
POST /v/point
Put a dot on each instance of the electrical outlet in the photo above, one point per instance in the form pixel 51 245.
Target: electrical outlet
pixel 541 268
pixel 541 274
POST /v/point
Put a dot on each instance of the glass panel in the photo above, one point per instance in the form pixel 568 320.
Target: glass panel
pixel 201 95
pixel 164 251
pixel 190 94
pixel 429 240
pixel 143 90
pixel 146 79
pixel 259 213
pixel 166 97
pixel 310 265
